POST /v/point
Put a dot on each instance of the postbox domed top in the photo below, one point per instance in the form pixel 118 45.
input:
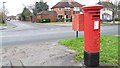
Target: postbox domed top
pixel 95 7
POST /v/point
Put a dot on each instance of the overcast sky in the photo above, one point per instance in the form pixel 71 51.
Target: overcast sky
pixel 16 6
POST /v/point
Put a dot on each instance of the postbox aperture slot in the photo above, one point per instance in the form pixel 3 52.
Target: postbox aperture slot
pixel 95 16
pixel 93 12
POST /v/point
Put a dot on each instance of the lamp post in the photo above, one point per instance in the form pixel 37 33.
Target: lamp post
pixel 3 13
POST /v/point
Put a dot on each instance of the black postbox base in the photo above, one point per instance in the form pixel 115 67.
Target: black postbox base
pixel 91 59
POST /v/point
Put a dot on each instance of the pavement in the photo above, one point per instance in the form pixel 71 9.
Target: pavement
pixel 3 27
pixel 42 54
pixel 39 54
pixel 61 24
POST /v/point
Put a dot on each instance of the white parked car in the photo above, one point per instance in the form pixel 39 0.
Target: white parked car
pixel 8 19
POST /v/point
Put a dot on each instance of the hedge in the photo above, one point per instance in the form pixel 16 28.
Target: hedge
pixel 44 20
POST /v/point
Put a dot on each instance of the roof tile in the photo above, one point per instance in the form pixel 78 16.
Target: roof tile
pixel 67 4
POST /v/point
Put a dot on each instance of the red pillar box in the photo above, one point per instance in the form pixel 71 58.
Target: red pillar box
pixel 78 22
pixel 91 35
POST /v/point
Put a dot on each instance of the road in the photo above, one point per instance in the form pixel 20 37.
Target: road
pixel 26 32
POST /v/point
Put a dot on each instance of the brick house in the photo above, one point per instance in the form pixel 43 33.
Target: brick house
pixel 66 8
pixel 52 15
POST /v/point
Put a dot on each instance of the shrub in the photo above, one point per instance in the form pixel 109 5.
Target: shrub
pixel 60 20
pixel 117 19
pixel 45 20
pixel 68 20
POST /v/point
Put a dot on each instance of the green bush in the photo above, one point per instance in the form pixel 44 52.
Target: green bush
pixel 45 20
pixel 60 20
pixel 117 19
pixel 68 20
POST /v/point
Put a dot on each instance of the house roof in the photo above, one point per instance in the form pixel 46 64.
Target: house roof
pixel 47 13
pixel 106 14
pixel 67 3
pixel 106 4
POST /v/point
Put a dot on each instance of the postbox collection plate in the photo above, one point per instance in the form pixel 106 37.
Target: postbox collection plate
pixel 96 24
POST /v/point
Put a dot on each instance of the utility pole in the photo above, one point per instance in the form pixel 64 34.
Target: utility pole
pixel 3 13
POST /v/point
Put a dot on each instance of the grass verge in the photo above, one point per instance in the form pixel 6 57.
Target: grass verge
pixel 108 53
pixel 58 23
pixel 110 23
pixel 2 24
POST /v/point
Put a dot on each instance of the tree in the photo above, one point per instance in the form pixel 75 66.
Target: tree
pixel 115 9
pixel 41 6
pixel 38 7
pixel 32 8
pixel 3 14
pixel 26 13
pixel 113 6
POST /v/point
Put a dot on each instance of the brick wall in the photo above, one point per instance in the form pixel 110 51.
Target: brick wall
pixel 59 11
pixel 52 18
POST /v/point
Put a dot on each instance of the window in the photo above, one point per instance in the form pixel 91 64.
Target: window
pixel 67 8
pixel 76 9
pixel 60 16
pixel 59 9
